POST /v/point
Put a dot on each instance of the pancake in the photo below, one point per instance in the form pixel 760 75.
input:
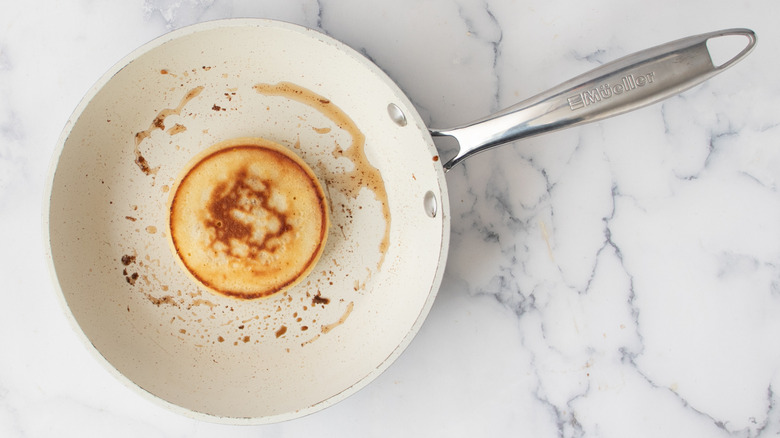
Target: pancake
pixel 248 218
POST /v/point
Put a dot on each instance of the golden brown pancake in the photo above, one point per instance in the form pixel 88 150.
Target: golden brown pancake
pixel 248 218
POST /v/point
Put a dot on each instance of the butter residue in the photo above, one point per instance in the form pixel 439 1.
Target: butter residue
pixel 364 174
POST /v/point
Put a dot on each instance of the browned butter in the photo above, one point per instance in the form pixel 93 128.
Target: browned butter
pixel 364 174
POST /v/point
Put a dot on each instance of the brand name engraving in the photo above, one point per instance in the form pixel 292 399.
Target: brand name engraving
pixel 626 84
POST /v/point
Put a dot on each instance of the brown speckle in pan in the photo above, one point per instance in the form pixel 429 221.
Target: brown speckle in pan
pixel 319 299
pixel 132 278
pixel 158 301
pixel 176 129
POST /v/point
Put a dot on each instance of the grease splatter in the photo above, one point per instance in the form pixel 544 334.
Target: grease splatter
pixel 364 175
pixel 159 123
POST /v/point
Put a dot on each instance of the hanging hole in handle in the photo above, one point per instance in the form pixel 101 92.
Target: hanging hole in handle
pixel 727 48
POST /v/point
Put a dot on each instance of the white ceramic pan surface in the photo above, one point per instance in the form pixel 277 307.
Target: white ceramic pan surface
pixel 268 359
pixel 265 360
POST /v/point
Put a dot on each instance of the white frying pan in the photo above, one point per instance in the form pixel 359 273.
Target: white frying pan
pixel 282 357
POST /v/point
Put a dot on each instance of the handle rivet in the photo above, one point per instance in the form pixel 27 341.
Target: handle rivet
pixel 396 114
pixel 430 204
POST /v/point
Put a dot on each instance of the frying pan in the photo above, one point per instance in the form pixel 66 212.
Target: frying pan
pixel 267 360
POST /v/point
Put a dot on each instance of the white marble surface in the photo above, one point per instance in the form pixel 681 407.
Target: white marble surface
pixel 614 280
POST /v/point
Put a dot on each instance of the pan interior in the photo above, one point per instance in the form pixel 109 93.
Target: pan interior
pixel 207 355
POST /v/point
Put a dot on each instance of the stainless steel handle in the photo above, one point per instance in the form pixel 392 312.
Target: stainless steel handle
pixel 623 85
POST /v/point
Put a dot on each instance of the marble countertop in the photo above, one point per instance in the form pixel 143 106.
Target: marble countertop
pixel 616 279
